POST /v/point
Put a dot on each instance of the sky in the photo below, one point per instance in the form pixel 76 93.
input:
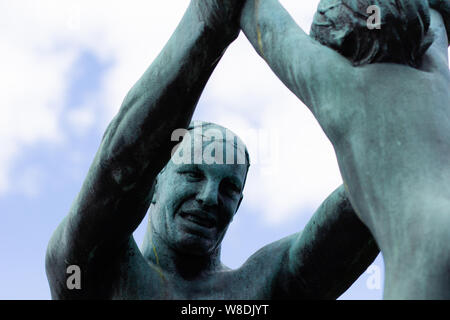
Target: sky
pixel 66 67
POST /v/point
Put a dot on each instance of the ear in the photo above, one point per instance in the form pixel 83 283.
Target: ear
pixel 154 191
pixel 239 204
pixel 339 36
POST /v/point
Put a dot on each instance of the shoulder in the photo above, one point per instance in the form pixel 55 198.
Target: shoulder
pixel 75 272
pixel 275 251
pixel 269 269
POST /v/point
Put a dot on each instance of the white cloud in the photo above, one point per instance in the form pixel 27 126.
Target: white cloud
pixel 8 153
pixel 29 182
pixel 31 98
pixel 40 43
pixel 81 119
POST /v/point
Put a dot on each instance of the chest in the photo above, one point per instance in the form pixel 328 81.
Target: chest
pixel 137 280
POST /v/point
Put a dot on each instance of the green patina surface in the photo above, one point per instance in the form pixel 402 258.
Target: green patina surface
pixel 371 92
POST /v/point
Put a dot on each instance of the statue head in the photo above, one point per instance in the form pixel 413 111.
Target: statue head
pixel 403 36
pixel 197 194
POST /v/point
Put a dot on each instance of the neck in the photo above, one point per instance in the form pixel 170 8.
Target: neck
pixel 175 263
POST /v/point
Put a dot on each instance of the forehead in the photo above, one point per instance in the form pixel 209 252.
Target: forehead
pixel 210 145
pixel 338 14
pixel 216 151
pixel 329 4
pixel 358 7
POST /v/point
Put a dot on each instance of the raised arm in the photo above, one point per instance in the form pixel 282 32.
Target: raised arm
pixel 334 249
pixel 440 26
pixel 137 144
pixel 321 262
pixel 310 70
pixel 329 255
pixel 443 7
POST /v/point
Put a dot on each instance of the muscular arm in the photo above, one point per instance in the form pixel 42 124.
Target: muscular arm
pixel 310 70
pixel 137 144
pixel 333 251
pixel 325 259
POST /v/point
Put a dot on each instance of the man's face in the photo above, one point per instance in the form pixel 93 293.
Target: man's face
pixel 331 23
pixel 195 203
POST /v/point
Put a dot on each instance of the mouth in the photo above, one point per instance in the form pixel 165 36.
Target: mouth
pixel 199 217
pixel 322 20
pixel 323 24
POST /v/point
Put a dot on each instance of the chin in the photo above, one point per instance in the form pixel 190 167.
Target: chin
pixel 195 245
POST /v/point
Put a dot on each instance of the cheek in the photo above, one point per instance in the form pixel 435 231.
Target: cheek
pixel 320 33
pixel 175 191
pixel 234 207
pixel 318 20
pixel 227 211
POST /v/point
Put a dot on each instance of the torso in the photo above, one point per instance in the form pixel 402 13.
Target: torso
pixel 394 156
pixel 136 278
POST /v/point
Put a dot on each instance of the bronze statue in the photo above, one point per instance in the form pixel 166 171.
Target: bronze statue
pixel 382 97
pixel 190 203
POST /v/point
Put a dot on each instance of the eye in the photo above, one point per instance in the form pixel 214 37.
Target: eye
pixel 230 189
pixel 192 175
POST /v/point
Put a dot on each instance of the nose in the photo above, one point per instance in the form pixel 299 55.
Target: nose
pixel 209 195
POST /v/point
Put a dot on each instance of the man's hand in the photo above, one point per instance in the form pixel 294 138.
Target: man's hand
pixel 443 7
pixel 220 15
